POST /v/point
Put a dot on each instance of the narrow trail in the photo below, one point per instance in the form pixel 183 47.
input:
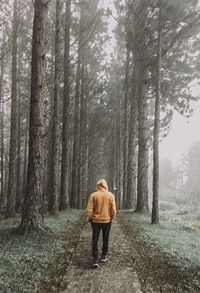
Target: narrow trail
pixel 131 268
pixel 117 275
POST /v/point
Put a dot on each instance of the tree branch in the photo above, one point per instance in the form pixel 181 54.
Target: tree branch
pixel 186 29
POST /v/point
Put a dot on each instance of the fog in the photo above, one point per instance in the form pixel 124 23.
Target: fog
pixel 90 90
pixel 183 132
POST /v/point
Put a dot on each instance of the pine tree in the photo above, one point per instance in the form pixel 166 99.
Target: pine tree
pixel 31 216
pixel 65 162
pixel 155 211
pixel 53 200
pixel 12 180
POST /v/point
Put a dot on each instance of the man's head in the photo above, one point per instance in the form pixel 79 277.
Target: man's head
pixel 102 185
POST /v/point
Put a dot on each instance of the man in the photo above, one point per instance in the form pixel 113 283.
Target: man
pixel 101 210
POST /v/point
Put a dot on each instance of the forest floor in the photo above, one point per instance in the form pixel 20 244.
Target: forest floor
pixel 135 265
pixel 24 259
pixel 143 257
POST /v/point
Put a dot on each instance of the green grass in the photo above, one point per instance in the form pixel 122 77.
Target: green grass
pixel 23 259
pixel 179 242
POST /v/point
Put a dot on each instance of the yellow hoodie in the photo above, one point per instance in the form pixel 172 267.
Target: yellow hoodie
pixel 101 207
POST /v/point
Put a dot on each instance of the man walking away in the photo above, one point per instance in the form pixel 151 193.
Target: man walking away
pixel 101 210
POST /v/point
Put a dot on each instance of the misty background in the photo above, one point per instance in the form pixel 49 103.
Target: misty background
pixel 179 148
pixel 94 89
pixel 109 57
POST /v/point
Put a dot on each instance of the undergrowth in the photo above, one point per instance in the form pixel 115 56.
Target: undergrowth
pixel 24 259
pixel 178 240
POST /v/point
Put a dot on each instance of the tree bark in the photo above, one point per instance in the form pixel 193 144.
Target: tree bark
pixel 126 132
pixel 2 198
pixel 83 133
pixel 142 187
pixel 75 190
pixel 155 208
pixel 25 162
pixel 53 200
pixel 119 153
pixel 50 130
pixel 65 163
pixel 31 216
pixel 6 164
pixel 18 202
pixel 18 191
pixel 142 184
pixel 76 144
pixel 130 202
pixel 11 195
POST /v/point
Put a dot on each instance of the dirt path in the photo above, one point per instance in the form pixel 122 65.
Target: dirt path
pixel 117 275
pixel 131 267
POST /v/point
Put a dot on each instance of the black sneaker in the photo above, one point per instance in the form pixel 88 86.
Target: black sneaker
pixel 95 264
pixel 104 258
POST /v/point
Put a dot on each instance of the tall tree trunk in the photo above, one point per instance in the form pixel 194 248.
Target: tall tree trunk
pixel 118 161
pixel 2 198
pixel 126 133
pixel 89 187
pixel 53 201
pixel 142 184
pixel 132 145
pixel 112 159
pixel 18 191
pixel 47 192
pixel 2 155
pixel 75 190
pixel 25 162
pixel 6 165
pixel 31 216
pixel 65 163
pixel 11 195
pixel 76 144
pixel 83 125
pixel 155 209
pixel 121 132
pixel 86 141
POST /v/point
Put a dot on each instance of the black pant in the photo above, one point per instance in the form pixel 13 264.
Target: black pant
pixel 96 229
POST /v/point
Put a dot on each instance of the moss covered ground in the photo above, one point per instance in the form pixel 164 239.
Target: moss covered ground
pixel 146 257
pixel 168 252
pixel 25 259
pixel 175 237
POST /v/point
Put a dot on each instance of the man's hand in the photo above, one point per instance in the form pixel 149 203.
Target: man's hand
pixel 88 220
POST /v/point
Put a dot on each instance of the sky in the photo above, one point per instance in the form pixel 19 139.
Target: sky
pixel 184 131
pixel 182 134
pixel 111 25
